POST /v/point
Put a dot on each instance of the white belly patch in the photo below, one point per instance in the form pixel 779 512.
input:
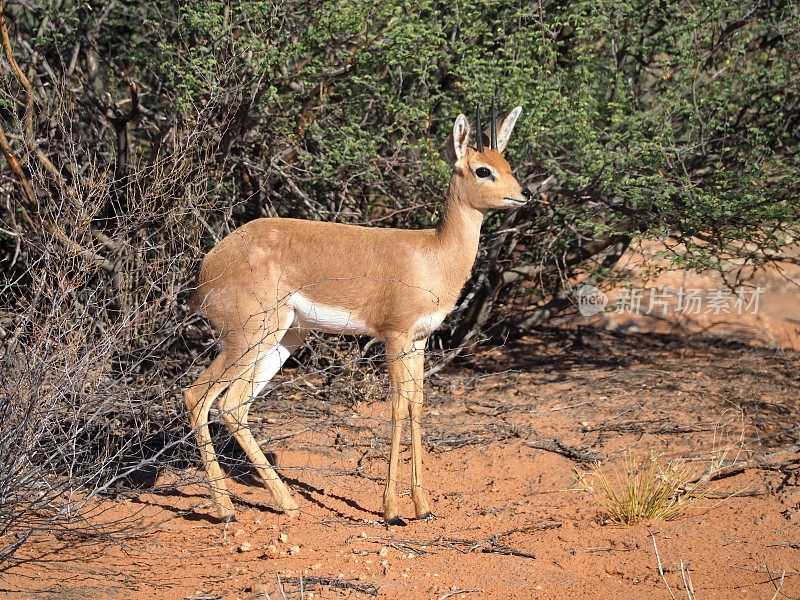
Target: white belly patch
pixel 427 324
pixel 313 315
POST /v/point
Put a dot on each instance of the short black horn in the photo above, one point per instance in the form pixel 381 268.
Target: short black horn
pixel 478 132
pixel 494 126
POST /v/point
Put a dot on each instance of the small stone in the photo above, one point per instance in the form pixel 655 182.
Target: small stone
pixel 272 551
pixel 316 566
pixel 283 538
pixel 384 552
pixel 238 532
pixel 410 555
pixel 272 421
pixel 294 550
pixel 363 534
pixel 435 413
pixel 245 547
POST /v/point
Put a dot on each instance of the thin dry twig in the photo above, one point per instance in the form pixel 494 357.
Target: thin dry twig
pixel 771 462
pixel 309 582
pixel 687 582
pixel 786 543
pixel 508 551
pixel 280 586
pixel 661 567
pixel 457 591
pixel 490 545
pixel 779 587
pixel 557 447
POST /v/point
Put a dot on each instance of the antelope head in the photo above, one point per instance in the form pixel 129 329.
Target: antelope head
pixel 482 177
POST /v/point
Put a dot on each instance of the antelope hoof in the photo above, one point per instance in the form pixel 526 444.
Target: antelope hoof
pixel 428 516
pixel 289 507
pixel 396 521
pixel 225 511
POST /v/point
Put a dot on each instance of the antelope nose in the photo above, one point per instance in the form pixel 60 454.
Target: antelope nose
pixel 526 193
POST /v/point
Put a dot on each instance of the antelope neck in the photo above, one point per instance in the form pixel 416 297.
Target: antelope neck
pixel 459 231
pixel 461 220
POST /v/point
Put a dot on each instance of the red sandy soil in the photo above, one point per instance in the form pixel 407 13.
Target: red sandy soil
pixel 513 521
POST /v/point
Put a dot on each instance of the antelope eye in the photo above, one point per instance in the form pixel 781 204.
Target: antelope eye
pixel 483 172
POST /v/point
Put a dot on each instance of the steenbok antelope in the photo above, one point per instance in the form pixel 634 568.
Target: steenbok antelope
pixel 269 282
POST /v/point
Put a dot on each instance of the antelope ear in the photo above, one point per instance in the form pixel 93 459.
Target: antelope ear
pixel 504 134
pixel 457 142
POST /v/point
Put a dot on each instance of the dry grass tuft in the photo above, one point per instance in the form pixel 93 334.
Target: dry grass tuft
pixel 644 489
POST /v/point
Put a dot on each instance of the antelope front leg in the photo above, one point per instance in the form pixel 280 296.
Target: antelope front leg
pixel 399 357
pixel 417 368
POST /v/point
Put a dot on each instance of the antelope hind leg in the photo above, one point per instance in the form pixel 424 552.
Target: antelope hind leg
pixel 198 398
pixel 235 406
